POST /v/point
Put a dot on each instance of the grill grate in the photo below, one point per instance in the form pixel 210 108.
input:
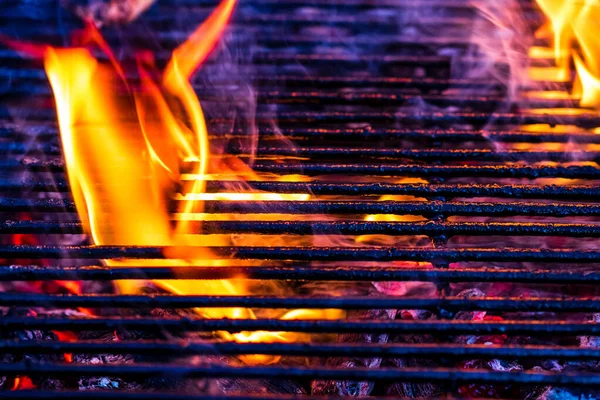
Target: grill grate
pixel 369 98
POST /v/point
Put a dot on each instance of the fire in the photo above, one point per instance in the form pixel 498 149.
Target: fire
pixel 573 29
pixel 128 147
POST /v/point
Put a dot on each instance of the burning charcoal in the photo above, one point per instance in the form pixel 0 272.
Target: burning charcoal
pixel 265 387
pixel 112 383
pixel 407 389
pixel 482 390
pixel 27 335
pixel 102 383
pixel 240 386
pixel 353 388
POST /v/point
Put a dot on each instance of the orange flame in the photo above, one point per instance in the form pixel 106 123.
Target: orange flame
pixel 127 148
pixel 573 25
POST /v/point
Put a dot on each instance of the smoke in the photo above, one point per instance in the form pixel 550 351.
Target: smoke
pixel 499 45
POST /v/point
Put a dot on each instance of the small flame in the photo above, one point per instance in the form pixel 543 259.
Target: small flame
pixel 573 28
pixel 129 146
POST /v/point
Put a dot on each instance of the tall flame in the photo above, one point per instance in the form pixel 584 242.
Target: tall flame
pixel 573 25
pixel 127 148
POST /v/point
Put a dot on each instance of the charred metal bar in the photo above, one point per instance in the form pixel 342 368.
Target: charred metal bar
pixel 175 348
pixel 298 272
pixel 57 185
pixel 589 120
pixel 509 327
pixel 440 134
pixel 309 253
pixel 429 135
pixel 575 192
pixel 43 205
pixel 495 171
pixel 429 154
pixel 558 304
pixel 396 228
pixel 332 152
pixel 500 171
pixel 429 209
pixel 481 103
pixel 140 370
pixel 431 229
pixel 581 192
pixel 432 208
pixel 47 132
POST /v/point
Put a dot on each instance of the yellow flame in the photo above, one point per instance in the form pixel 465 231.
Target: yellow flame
pixel 126 149
pixel 574 28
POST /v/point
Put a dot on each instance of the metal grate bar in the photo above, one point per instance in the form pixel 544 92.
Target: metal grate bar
pixel 38 79
pixel 176 349
pixel 299 272
pixel 580 192
pixel 482 103
pixel 309 253
pixel 431 229
pixel 307 326
pixel 444 171
pixel 394 99
pixel 429 154
pixel 558 304
pixel 432 208
pixel 50 133
pixel 495 171
pixel 582 379
pixel 575 192
pixel 432 135
pixel 586 120
pixel 332 152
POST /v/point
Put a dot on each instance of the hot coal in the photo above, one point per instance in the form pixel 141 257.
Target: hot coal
pixel 27 335
pixel 409 389
pixel 353 388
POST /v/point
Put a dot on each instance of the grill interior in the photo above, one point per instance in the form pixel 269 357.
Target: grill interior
pixel 455 223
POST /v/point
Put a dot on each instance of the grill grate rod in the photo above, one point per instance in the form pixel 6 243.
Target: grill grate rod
pixel 586 120
pixel 591 304
pixel 310 253
pixel 581 379
pixel 414 154
pixel 443 171
pixel 346 227
pixel 575 192
pixel 429 155
pixel 490 171
pixel 298 272
pixel 37 79
pixel 50 133
pixel 508 327
pixel 175 349
pixel 363 99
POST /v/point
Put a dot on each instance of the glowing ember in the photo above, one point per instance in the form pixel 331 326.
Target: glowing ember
pixel 127 146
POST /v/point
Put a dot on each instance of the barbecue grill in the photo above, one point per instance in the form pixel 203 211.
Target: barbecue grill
pixel 381 125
